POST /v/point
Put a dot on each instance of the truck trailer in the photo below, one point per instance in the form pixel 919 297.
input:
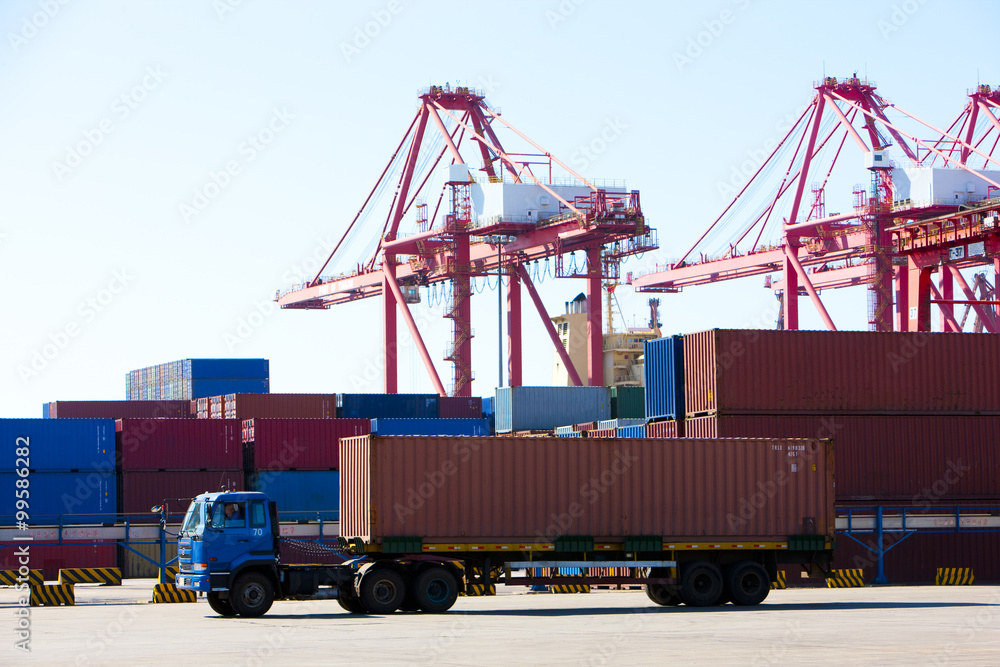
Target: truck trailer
pixel 425 519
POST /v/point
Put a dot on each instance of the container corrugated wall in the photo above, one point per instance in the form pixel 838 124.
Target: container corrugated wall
pixel 900 458
pixel 628 402
pixel 510 488
pixel 302 495
pixel 667 429
pixel 59 444
pixel 460 407
pixel 140 491
pixel 179 444
pixel 50 559
pixel 73 497
pixel 826 372
pixel 394 406
pixel 282 406
pixel 637 431
pixel 544 408
pixel 299 444
pixel 664 377
pixel 474 427
pixel 116 409
pixel 620 423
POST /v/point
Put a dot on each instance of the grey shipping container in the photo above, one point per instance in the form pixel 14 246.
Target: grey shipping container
pixel 545 408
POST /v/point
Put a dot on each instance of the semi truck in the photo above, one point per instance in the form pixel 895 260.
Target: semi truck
pixel 427 519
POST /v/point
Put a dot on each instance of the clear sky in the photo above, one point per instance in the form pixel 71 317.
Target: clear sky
pixel 117 116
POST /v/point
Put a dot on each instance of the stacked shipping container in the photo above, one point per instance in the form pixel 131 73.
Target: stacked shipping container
pixel 194 378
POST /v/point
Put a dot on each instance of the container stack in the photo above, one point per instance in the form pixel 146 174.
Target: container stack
pixel 71 479
pixel 188 379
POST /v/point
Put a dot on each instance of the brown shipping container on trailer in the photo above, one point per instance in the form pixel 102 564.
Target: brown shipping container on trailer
pixel 119 409
pixel 895 458
pixel 831 372
pixel 534 489
pixel 140 491
pixel 298 406
pixel 667 429
pixel 301 444
pixel 178 444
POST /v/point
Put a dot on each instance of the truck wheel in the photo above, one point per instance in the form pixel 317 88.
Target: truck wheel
pixel 701 584
pixel 352 604
pixel 435 590
pixel 220 606
pixel 747 583
pixel 252 595
pixel 661 594
pixel 382 591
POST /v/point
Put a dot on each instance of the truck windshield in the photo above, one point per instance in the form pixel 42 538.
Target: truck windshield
pixel 194 520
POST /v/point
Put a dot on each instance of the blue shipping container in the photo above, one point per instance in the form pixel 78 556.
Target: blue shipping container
pixel 488 406
pixel 73 497
pixel 638 431
pixel 570 434
pixel 58 444
pixel 431 427
pixel 545 408
pixel 229 369
pixel 664 368
pixel 387 406
pixel 220 387
pixel 302 495
pixel 620 422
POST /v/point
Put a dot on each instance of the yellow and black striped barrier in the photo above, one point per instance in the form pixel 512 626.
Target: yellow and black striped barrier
pixel 478 590
pixel 569 588
pixel 853 578
pixel 954 576
pixel 170 593
pixel 52 595
pixel 106 576
pixel 10 578
pixel 171 573
pixel 779 584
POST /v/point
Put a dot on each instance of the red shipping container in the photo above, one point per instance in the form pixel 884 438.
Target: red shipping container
pixel 585 426
pixel 916 559
pixel 901 458
pixel 178 444
pixel 119 409
pixel 460 407
pixel 666 429
pixel 301 444
pixel 840 372
pixel 299 406
pixel 50 559
pixel 602 433
pixel 471 489
pixel 141 491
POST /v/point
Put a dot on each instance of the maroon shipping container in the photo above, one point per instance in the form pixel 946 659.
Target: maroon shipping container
pixel 667 429
pixel 298 406
pixel 901 458
pixel 178 444
pixel 460 407
pixel 300 444
pixel 194 408
pixel 602 433
pixel 50 559
pixel 141 491
pixel 119 409
pixel 585 426
pixel 471 489
pixel 916 559
pixel 831 372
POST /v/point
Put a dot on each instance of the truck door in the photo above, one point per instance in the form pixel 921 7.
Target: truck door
pixel 227 536
pixel 261 540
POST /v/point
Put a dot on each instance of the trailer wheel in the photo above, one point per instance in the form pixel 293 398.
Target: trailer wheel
pixel 435 590
pixel 352 604
pixel 251 595
pixel 747 583
pixel 661 594
pixel 220 606
pixel 382 590
pixel 701 584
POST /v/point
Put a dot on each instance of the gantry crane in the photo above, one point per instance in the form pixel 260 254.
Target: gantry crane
pixel 504 217
pixel 901 229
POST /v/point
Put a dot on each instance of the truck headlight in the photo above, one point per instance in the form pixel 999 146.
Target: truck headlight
pixel 199 567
